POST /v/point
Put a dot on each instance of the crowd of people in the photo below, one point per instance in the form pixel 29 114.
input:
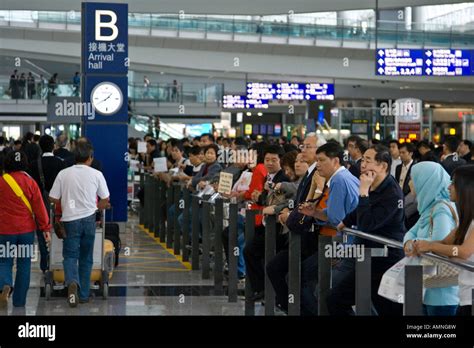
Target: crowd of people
pixel 37 172
pixel 25 86
pixel 413 193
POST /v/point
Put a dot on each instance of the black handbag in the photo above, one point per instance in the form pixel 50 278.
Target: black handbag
pixel 301 223
pixel 298 222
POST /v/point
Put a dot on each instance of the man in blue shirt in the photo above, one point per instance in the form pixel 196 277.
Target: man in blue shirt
pixel 343 198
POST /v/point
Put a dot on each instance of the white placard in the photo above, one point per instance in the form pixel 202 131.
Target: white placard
pixel 225 183
pixel 141 147
pixel 159 164
pixel 134 165
pixel 243 183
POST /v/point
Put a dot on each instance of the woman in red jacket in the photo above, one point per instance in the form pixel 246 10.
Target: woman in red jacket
pixel 20 199
pixel 259 173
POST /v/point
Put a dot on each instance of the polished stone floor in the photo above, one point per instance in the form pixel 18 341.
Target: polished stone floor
pixel 149 280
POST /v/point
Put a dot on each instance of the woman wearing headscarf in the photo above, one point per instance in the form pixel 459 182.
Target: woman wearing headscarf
pixel 429 181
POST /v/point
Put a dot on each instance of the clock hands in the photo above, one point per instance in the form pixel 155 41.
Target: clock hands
pixel 105 99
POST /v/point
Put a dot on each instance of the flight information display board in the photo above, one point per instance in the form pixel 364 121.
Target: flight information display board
pixel 290 91
pixel 427 62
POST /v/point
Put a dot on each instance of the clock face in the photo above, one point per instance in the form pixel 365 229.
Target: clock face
pixel 106 98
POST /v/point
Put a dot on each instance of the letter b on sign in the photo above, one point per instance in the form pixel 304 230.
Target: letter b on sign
pixel 99 25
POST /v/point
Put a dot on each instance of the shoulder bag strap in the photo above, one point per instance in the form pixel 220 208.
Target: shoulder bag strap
pixel 453 213
pixel 41 173
pixel 18 191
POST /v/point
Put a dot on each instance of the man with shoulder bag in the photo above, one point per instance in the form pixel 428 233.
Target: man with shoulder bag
pixel 76 189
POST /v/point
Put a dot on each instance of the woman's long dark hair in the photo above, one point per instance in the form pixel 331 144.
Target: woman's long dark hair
pixel 463 179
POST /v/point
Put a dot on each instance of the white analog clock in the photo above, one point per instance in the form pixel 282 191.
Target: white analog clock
pixel 106 98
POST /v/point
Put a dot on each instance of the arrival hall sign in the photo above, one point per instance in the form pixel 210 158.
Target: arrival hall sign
pixel 104 85
pixel 105 42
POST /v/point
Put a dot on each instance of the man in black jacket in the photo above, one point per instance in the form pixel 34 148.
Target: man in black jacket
pixel 277 268
pixel 3 152
pixel 464 150
pixel 254 252
pixel 451 159
pixel 356 146
pixel 426 153
pixel 403 170
pixel 64 153
pixel 50 167
pixel 379 212
pixel 31 149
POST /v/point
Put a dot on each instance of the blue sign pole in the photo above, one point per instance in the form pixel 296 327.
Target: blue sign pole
pixel 104 69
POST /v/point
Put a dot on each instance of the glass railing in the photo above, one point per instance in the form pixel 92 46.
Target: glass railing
pixel 200 93
pixel 423 34
pixel 36 91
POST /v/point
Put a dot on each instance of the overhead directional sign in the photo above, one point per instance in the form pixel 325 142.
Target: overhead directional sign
pixel 448 62
pixel 427 62
pixel 399 62
pixel 242 102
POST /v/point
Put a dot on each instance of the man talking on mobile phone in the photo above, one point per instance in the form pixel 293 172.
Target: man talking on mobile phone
pixel 343 196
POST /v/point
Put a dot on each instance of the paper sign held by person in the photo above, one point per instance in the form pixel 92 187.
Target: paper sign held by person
pixel 159 165
pixel 225 183
pixel 141 147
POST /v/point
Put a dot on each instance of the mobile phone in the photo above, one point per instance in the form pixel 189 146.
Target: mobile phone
pixel 309 201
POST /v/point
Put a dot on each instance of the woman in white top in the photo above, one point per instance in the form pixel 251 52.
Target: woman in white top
pixel 460 242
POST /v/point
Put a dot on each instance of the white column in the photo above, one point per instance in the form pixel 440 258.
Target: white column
pixel 418 15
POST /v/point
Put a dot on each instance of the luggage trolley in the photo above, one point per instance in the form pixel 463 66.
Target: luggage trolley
pixel 102 267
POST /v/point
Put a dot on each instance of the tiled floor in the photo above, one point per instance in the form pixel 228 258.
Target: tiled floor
pixel 150 280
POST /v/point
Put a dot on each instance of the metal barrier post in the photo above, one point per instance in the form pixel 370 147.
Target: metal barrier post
pixel 249 235
pixel 206 247
pixel 146 217
pixel 151 224
pixel 270 251
pixel 187 202
pixel 156 208
pixel 141 215
pixel 169 221
pixel 162 207
pixel 363 284
pixel 413 304
pixel 324 275
pixel 176 229
pixel 294 274
pixel 472 302
pixel 218 257
pixel 195 233
pixel 233 252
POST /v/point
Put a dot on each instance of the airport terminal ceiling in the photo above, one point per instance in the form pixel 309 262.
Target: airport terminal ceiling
pixel 244 7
